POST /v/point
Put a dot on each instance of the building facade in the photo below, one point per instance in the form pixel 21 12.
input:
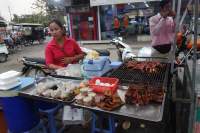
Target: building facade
pixel 95 23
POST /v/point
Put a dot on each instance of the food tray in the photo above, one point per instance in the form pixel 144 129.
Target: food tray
pixel 99 88
pixel 72 71
pixel 31 92
pixel 150 112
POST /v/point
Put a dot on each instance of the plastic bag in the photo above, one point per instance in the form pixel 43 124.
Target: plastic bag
pixel 72 116
pixel 72 70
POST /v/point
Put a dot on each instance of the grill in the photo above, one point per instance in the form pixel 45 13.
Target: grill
pixel 128 76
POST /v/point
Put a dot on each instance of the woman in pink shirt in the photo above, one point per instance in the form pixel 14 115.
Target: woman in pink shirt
pixel 61 50
pixel 162 28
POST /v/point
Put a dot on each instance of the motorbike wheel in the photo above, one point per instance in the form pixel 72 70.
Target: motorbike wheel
pixel 3 57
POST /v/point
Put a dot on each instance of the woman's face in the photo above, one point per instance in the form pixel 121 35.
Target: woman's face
pixel 55 30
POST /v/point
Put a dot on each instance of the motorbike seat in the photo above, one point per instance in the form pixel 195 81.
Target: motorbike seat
pixel 35 59
pixel 103 52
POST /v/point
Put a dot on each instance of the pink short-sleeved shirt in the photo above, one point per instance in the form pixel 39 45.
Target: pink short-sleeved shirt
pixel 54 53
pixel 162 30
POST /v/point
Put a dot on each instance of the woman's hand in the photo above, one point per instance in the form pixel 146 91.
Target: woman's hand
pixel 168 13
pixel 52 66
pixel 164 14
pixel 67 60
pixel 172 14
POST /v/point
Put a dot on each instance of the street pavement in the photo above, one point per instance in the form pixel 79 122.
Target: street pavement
pixel 37 50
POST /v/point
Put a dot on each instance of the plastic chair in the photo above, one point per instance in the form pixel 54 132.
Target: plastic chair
pixel 50 114
pixel 21 115
pixel 111 124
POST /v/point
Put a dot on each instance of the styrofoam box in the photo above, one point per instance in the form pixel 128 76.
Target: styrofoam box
pixel 9 76
pixel 12 81
pixel 10 86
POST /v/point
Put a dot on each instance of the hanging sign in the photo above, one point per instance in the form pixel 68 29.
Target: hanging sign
pixel 113 2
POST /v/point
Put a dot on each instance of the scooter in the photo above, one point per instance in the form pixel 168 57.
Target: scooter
pixel 34 67
pixel 125 52
pixel 3 52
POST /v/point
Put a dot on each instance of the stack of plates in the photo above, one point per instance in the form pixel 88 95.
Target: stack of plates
pixel 9 80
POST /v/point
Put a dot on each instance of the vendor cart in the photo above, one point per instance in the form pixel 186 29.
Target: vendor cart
pixel 152 115
pixel 161 115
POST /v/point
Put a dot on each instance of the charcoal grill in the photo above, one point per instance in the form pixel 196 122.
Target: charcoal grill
pixel 128 76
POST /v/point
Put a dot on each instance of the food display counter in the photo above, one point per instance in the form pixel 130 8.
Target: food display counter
pixel 150 112
pixel 145 110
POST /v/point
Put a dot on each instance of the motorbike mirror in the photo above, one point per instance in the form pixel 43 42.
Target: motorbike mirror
pixel 120 38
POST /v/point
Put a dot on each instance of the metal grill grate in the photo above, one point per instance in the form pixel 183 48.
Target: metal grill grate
pixel 127 76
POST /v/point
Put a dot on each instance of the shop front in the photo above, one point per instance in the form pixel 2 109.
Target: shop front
pixel 89 21
pixel 83 22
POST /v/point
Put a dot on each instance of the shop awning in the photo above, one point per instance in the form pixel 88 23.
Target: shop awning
pixel 113 2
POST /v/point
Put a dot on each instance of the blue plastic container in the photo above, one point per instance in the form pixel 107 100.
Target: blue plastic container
pixel 98 67
pixel 115 64
pixel 20 114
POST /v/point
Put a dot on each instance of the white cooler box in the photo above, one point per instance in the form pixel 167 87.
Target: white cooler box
pixel 9 80
pixel 98 67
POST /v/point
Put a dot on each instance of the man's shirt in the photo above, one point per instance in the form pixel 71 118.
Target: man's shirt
pixel 161 30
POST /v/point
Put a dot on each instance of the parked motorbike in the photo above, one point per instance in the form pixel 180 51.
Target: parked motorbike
pixel 3 52
pixel 125 52
pixel 34 67
pixel 185 48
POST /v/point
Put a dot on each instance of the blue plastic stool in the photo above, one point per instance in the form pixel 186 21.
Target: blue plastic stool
pixel 37 129
pixel 20 114
pixel 50 114
pixel 111 124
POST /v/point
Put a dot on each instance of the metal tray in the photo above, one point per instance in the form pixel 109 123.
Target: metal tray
pixel 31 92
pixel 151 112
pixel 56 75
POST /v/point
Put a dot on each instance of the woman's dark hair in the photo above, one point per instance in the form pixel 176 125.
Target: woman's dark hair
pixel 164 2
pixel 56 21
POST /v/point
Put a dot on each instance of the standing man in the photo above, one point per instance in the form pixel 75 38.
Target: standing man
pixel 116 24
pixel 125 24
pixel 162 28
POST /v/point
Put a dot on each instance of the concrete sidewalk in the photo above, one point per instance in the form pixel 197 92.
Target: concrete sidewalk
pixel 134 41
